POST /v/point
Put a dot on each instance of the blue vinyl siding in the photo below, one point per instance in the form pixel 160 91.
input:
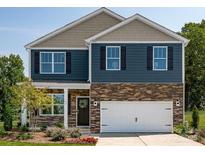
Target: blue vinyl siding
pixel 79 68
pixel 136 65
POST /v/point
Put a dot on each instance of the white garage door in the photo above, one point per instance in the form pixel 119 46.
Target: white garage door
pixel 141 116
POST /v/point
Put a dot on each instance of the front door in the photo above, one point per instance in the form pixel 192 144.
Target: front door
pixel 83 111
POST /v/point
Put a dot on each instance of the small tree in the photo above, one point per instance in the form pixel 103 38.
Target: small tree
pixel 32 98
pixel 195 118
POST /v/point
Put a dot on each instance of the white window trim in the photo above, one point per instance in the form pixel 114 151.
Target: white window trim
pixel 153 59
pixel 52 62
pixel 113 58
pixel 52 105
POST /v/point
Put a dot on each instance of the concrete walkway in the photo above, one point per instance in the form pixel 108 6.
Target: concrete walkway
pixel 143 139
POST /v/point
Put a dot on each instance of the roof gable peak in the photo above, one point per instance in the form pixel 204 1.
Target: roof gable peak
pixel 74 23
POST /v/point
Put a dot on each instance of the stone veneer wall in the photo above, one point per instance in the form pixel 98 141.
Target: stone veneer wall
pixel 135 92
pixel 52 120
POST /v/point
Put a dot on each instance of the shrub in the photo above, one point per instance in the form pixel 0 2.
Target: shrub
pixel 84 140
pixel 24 136
pixel 90 140
pixel 195 118
pixel 19 124
pixel 7 118
pixel 180 129
pixel 56 134
pixel 3 133
pixel 24 128
pixel 75 133
pixel 202 133
pixel 43 127
pixel 59 124
pixel 49 132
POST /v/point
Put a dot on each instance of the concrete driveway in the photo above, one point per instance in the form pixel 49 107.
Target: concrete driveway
pixel 143 139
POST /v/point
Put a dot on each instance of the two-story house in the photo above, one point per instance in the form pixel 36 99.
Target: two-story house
pixel 111 74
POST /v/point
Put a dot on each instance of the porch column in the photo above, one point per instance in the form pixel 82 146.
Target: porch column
pixel 66 108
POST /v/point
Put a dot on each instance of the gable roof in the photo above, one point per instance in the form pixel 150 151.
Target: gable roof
pixel 74 23
pixel 144 20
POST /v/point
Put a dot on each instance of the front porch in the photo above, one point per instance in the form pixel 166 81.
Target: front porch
pixel 70 115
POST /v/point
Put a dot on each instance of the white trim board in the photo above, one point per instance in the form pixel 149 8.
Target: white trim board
pixel 56 48
pixel 74 23
pixel 139 42
pixel 55 85
pixel 144 20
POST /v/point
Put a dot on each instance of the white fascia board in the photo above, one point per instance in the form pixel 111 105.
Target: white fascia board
pixel 55 85
pixel 144 20
pixel 57 48
pixel 107 42
pixel 29 63
pixel 74 23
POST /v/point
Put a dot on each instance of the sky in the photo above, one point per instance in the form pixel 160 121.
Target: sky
pixel 19 26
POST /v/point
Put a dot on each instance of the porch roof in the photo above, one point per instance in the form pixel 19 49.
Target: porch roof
pixel 60 85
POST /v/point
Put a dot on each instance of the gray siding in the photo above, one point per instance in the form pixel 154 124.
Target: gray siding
pixel 136 69
pixel 79 68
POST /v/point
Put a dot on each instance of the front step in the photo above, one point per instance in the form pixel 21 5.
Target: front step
pixel 85 130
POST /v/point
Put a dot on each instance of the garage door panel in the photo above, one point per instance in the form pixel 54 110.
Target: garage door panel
pixel 136 116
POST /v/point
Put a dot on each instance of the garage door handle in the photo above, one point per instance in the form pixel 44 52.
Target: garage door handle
pixel 167 108
pixel 104 109
pixel 167 125
pixel 136 119
pixel 104 125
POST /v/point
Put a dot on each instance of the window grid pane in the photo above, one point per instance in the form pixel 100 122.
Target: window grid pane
pixel 113 58
pixel 160 58
pixel 57 106
pixel 52 62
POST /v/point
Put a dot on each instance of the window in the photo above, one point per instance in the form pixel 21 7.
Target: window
pixel 112 58
pixel 52 62
pixel 57 106
pixel 160 58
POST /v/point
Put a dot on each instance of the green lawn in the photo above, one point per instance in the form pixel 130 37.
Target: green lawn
pixel 201 120
pixel 11 143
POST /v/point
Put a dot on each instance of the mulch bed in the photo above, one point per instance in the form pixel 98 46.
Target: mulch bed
pixel 40 137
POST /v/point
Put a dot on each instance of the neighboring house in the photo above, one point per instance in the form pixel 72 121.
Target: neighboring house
pixel 111 74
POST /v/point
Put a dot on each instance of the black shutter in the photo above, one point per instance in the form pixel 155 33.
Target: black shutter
pixel 102 57
pixel 68 63
pixel 69 104
pixel 149 58
pixel 170 58
pixel 36 62
pixel 123 58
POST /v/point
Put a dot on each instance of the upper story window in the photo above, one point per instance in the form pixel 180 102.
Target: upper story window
pixel 56 107
pixel 112 57
pixel 160 58
pixel 52 62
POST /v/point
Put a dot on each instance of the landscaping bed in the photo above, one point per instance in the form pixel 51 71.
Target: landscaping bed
pixel 49 137
pixel 187 130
